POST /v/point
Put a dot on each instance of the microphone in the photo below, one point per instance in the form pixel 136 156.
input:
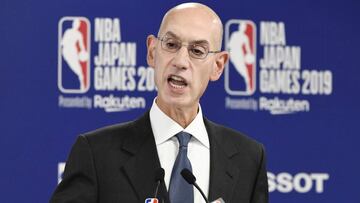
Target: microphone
pixel 190 178
pixel 159 177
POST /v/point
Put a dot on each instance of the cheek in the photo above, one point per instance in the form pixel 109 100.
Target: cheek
pixel 156 78
pixel 202 79
pixel 205 73
pixel 159 69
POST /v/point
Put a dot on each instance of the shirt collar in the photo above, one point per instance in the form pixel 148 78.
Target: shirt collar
pixel 164 127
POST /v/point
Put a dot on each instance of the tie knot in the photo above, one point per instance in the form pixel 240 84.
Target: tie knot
pixel 183 138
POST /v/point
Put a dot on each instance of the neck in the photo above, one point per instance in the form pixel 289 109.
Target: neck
pixel 181 115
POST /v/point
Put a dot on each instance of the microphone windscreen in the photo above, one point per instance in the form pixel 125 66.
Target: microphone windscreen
pixel 188 176
pixel 159 174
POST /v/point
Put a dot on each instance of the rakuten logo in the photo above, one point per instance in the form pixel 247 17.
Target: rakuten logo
pixel 301 182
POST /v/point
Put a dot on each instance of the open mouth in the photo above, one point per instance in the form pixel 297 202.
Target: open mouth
pixel 177 82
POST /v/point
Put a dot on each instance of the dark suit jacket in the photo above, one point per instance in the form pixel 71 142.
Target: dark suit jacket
pixel 118 163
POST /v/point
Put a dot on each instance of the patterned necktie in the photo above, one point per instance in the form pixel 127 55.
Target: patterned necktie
pixel 180 191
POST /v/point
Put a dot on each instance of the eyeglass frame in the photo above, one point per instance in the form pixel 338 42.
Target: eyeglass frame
pixel 161 39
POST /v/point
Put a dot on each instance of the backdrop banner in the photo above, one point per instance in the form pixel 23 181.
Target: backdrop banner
pixel 69 67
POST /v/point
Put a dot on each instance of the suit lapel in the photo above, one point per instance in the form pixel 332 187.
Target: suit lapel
pixel 141 166
pixel 223 174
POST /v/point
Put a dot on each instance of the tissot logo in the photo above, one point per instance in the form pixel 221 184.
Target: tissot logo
pixel 74 55
pixel 240 73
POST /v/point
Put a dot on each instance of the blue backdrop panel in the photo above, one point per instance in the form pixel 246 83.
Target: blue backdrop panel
pixel 301 99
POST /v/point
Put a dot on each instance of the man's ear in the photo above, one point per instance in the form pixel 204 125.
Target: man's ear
pixel 150 43
pixel 219 65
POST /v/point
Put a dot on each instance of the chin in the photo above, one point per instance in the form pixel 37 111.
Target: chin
pixel 177 101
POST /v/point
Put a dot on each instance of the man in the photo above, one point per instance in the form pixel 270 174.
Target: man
pixel 118 163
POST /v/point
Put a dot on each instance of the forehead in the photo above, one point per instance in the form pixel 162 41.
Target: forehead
pixel 189 26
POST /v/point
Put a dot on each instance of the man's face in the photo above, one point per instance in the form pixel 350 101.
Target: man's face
pixel 181 80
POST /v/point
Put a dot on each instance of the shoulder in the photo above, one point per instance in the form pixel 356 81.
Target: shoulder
pixel 117 133
pixel 230 137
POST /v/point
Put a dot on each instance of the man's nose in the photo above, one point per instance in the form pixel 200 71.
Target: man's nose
pixel 182 59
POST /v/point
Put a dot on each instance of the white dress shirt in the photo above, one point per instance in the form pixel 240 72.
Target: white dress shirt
pixel 167 145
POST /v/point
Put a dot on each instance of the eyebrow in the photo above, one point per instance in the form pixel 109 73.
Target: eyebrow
pixel 191 42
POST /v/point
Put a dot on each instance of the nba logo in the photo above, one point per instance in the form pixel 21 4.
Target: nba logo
pixel 151 200
pixel 240 72
pixel 74 55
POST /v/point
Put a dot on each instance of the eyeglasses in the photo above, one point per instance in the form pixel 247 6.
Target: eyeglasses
pixel 195 50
